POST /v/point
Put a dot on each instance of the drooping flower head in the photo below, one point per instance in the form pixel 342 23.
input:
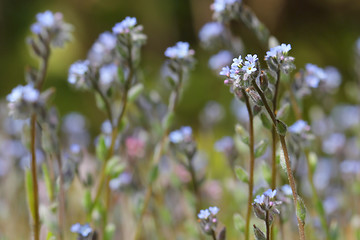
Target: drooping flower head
pixel 23 101
pixel 313 75
pixel 184 134
pixel 129 33
pixel 78 74
pixel 210 34
pixel 52 28
pixel 125 25
pixel 204 214
pixel 83 230
pixel 180 51
pixel 208 220
pixel 103 50
pixel 278 58
pixel 225 10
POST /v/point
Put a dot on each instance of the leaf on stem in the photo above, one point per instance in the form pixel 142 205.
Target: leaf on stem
pixel 241 174
pixel 239 222
pixel 260 148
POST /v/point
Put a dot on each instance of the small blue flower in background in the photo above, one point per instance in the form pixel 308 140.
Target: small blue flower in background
pixel 184 134
pixel 46 19
pixel 225 144
pixel 176 136
pixel 52 28
pixel 299 126
pixel 124 26
pixel 249 67
pixel 210 31
pixel 82 230
pixel 259 199
pixel 286 189
pixel 22 101
pixel 221 5
pixel 270 193
pixel 27 93
pixel 314 75
pixel 181 51
pixel 220 60
pixel 278 51
pixel 204 214
pixel 237 63
pixel 108 74
pixel 251 58
pixel 214 210
pixel 225 71
pixel 77 73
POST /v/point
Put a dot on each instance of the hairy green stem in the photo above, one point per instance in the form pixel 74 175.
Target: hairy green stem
pixel 267 225
pixel 274 140
pixel 252 163
pixel 287 159
pixel 213 234
pixel 195 186
pixel 36 220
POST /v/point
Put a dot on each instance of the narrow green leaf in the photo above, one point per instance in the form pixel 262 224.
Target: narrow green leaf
pixel 135 91
pixel 121 75
pixel 259 235
pixel 283 111
pixel 266 121
pixel 241 174
pixel 101 149
pixel 260 148
pixel 99 102
pixel 239 222
pixel 281 127
pixel 168 120
pixel 109 231
pixel 154 173
pixel 30 192
pixel 114 167
pixel 87 200
pixel 313 160
pixel 50 236
pixel 48 182
pixel 301 209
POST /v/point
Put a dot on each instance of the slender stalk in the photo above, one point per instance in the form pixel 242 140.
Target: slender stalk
pixel 36 227
pixel 40 82
pixel 195 186
pixel 252 163
pixel 274 140
pixel 273 133
pixel 62 210
pixel 267 225
pixel 213 234
pixel 174 96
pixel 287 159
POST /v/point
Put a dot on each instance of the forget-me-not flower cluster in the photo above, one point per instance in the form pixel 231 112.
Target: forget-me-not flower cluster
pixel 52 28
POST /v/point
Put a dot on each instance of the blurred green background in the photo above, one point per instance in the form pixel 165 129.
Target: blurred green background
pixel 320 31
